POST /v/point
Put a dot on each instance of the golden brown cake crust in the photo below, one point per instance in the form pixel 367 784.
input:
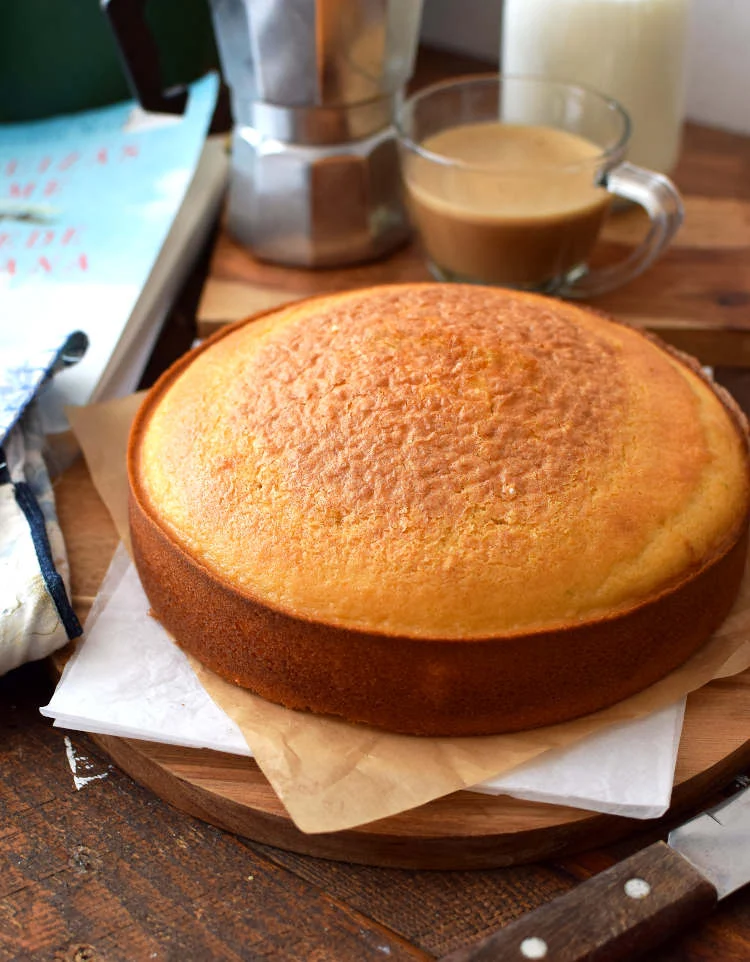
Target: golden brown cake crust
pixel 440 678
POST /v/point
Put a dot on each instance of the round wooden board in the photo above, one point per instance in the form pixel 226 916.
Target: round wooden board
pixel 464 830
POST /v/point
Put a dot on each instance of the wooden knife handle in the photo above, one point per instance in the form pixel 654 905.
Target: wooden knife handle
pixel 615 915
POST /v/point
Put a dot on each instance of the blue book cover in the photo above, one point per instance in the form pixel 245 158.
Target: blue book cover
pixel 86 202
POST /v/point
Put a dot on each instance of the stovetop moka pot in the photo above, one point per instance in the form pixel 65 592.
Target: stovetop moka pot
pixel 314 87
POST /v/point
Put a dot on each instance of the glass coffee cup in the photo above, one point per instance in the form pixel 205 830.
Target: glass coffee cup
pixel 510 179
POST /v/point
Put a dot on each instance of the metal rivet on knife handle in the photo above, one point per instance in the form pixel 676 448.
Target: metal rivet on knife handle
pixel 533 948
pixel 637 888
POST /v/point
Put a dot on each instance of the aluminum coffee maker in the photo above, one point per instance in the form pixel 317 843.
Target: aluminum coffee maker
pixel 314 86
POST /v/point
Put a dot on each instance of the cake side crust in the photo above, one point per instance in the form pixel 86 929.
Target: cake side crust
pixel 429 687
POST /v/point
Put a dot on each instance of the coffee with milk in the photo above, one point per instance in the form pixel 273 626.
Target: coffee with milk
pixel 506 203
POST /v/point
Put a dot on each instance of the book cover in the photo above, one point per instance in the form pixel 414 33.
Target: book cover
pixel 86 204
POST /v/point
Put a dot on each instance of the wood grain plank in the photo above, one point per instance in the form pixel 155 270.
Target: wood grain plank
pixel 714 163
pixel 114 871
pixel 463 906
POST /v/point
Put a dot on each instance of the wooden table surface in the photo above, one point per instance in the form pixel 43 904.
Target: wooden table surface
pixel 94 867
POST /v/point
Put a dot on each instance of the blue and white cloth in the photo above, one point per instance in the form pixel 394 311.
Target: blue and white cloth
pixel 36 617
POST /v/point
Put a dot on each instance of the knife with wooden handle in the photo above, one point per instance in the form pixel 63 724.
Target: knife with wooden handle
pixel 639 902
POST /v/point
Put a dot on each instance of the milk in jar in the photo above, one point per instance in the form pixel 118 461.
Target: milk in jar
pixel 631 50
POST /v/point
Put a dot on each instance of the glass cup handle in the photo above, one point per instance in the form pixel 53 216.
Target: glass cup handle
pixel 661 201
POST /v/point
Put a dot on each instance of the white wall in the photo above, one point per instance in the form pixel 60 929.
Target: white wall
pixel 718 83
pixel 718 90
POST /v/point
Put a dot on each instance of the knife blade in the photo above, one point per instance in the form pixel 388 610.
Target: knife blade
pixel 637 903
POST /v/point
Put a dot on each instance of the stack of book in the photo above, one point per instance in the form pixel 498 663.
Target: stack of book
pixel 102 215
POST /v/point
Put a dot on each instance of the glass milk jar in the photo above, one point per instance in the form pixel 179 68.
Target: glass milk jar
pixel 631 50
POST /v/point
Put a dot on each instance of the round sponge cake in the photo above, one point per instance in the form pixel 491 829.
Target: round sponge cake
pixel 439 509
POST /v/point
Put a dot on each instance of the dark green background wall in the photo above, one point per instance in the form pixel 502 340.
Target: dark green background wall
pixel 58 56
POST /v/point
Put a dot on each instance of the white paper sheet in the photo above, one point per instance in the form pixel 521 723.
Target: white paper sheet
pixel 129 679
